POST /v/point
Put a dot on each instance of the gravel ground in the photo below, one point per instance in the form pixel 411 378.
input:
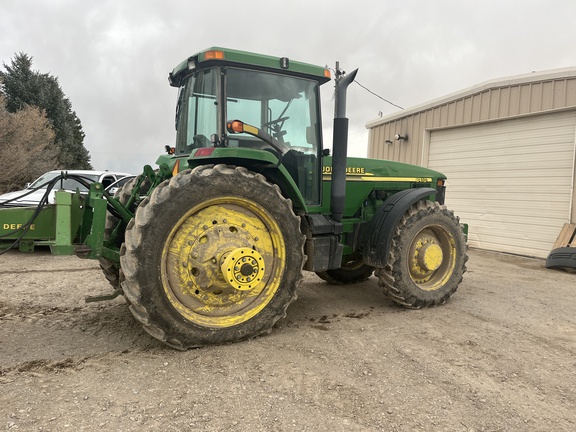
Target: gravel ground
pixel 499 356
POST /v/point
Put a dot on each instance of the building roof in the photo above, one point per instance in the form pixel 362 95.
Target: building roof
pixel 547 75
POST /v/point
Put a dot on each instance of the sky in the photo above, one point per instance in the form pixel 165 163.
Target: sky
pixel 112 57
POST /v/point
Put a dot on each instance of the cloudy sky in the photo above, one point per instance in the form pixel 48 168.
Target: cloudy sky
pixel 112 57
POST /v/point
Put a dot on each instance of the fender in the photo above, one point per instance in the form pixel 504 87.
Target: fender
pixel 380 230
pixel 265 162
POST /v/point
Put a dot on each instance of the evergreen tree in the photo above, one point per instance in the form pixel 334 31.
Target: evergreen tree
pixel 22 86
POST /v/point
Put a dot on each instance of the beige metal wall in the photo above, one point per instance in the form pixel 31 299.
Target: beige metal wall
pixel 491 141
pixel 510 181
pixel 499 99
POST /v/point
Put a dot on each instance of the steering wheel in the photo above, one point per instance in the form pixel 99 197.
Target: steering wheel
pixel 199 141
pixel 278 120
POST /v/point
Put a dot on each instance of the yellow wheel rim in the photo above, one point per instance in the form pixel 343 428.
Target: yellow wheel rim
pixel 432 258
pixel 223 262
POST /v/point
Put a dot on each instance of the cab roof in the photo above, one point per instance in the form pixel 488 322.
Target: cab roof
pixel 219 55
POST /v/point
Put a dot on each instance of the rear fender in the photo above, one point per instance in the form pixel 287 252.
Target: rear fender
pixel 264 162
pixel 380 230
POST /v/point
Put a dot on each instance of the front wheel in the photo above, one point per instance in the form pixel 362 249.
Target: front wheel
pixel 213 256
pixel 110 268
pixel 427 257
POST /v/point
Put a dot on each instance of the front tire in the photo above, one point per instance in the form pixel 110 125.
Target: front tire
pixel 110 268
pixel 427 257
pixel 213 256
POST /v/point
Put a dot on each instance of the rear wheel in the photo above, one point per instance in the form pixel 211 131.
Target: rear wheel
pixel 427 257
pixel 213 256
pixel 353 270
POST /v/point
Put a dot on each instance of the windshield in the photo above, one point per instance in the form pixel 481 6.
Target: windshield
pixel 283 106
pixel 68 184
pixel 197 112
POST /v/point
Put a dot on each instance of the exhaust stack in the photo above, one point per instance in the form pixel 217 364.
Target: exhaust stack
pixel 340 144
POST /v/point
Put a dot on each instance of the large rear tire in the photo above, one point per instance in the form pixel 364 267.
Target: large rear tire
pixel 213 256
pixel 427 257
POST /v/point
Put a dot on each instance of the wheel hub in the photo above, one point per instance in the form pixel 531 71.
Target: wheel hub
pixel 426 257
pixel 430 256
pixel 243 268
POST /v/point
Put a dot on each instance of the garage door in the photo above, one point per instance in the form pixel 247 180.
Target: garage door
pixel 512 181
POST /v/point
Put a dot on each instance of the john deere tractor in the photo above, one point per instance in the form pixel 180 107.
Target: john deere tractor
pixel 210 247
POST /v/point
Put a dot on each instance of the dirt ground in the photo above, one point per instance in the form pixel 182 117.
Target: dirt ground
pixel 499 356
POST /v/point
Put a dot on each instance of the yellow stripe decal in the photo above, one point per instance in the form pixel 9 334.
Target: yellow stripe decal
pixel 382 179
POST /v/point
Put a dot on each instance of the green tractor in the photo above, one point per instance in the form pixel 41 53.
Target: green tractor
pixel 210 247
pixel 215 253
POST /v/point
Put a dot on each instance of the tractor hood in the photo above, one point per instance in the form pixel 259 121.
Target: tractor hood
pixel 383 170
pixel 366 175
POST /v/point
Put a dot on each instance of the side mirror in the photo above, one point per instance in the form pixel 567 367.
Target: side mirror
pixel 215 140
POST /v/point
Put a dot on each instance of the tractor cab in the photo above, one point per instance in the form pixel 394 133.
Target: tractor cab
pixel 277 108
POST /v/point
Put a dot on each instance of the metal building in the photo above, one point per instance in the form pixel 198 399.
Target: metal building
pixel 508 148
